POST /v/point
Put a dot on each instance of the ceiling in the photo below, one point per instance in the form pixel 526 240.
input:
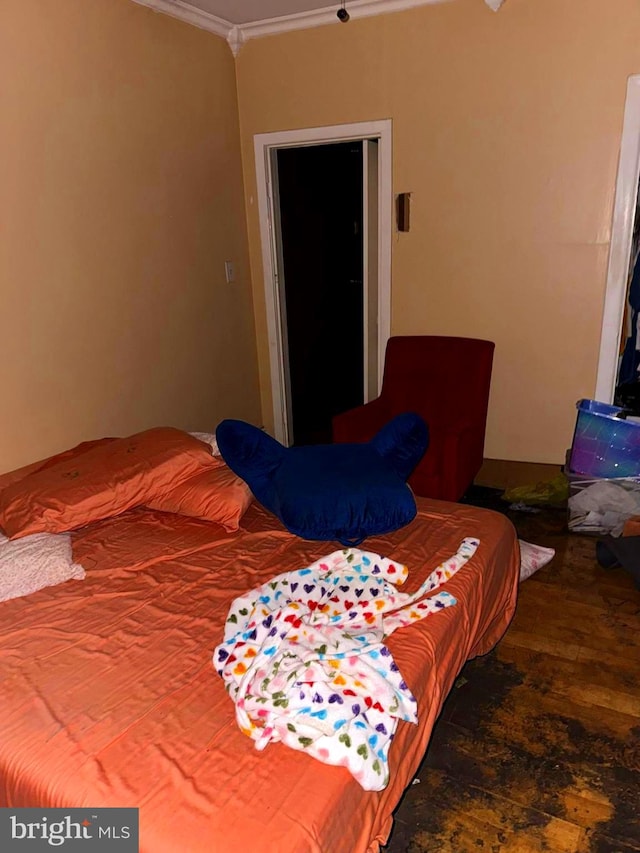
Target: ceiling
pixel 247 11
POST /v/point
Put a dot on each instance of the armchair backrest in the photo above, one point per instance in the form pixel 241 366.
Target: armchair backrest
pixel 444 379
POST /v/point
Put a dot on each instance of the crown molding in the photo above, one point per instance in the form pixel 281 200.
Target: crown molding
pixel 327 15
pixel 235 39
pixel 237 35
pixel 190 15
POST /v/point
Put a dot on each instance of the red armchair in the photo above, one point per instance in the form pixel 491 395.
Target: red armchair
pixel 446 380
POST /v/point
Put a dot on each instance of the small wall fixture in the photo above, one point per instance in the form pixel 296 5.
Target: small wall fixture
pixel 402 211
pixel 342 15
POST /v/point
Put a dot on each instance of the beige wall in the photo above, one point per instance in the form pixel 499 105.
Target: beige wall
pixel 506 132
pixel 121 190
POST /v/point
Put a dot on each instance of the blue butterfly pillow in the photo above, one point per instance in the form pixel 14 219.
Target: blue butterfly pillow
pixel 342 492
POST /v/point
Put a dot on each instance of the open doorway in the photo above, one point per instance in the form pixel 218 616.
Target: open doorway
pixel 621 259
pixel 627 390
pixel 325 216
pixel 321 222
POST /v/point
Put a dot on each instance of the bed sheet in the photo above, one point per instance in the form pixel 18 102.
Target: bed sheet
pixel 110 698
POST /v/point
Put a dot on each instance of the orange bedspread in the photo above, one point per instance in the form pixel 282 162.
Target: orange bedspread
pixel 109 696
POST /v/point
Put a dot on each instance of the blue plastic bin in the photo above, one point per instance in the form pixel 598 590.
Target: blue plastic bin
pixel 604 444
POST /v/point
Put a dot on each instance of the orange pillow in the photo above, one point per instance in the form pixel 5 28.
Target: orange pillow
pixel 12 477
pixel 104 481
pixel 216 495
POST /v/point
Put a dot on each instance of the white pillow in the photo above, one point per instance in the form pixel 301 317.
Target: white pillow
pixel 208 438
pixel 33 562
pixel 532 558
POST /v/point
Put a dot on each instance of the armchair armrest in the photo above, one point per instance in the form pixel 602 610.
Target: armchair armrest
pixel 361 423
pixel 463 447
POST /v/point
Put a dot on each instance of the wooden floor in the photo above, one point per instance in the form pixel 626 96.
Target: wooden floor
pixel 538 745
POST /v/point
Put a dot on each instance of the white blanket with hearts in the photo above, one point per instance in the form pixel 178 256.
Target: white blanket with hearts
pixel 303 657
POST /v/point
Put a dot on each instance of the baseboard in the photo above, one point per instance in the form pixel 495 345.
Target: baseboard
pixel 505 473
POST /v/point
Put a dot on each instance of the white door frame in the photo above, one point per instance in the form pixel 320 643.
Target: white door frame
pixel 620 249
pixel 264 144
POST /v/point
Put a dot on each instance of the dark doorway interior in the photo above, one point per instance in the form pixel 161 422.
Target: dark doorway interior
pixel 321 216
pixel 627 393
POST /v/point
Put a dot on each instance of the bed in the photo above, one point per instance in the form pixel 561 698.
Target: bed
pixel 110 697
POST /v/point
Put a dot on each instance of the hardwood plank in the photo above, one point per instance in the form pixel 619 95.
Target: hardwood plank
pixel 466 816
pixel 596 634
pixel 512 773
pixel 535 643
pixel 599 843
pixel 588 681
pixel 627 668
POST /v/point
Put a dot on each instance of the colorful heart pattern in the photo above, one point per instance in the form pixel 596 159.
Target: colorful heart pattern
pixel 298 650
